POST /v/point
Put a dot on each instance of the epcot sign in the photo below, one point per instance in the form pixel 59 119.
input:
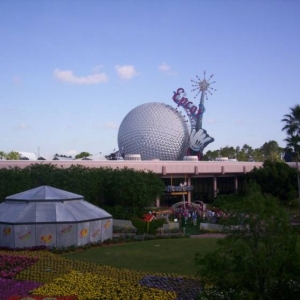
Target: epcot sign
pixel 159 131
pixel 186 104
pixel 199 138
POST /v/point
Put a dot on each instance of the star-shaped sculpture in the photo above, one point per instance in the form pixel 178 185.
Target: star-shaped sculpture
pixel 203 85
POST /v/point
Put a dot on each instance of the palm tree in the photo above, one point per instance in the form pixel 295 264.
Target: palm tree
pixel 292 128
pixel 292 121
pixel 293 143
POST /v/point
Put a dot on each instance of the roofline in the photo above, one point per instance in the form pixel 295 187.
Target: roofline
pixel 63 222
pixel 7 199
pixel 193 168
pixel 162 168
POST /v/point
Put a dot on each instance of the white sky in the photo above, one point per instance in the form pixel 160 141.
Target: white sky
pixel 72 70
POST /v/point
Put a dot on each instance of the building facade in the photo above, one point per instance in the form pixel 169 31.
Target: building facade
pixel 195 180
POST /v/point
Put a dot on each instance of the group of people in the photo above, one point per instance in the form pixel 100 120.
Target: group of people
pixel 187 215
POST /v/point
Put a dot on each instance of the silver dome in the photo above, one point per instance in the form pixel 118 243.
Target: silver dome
pixel 155 131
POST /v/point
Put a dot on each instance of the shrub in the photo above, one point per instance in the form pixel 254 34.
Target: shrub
pixel 125 229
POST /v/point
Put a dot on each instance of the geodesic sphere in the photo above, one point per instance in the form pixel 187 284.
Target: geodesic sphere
pixel 155 131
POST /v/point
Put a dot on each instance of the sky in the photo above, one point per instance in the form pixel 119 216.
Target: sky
pixel 72 70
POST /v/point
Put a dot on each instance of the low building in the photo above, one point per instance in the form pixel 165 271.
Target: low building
pixel 53 218
pixel 208 178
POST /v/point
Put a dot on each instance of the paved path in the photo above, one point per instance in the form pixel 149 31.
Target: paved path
pixel 208 235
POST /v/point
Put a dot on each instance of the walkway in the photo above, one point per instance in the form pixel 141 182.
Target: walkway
pixel 208 235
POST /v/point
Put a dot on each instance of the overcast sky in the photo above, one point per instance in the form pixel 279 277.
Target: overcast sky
pixel 72 70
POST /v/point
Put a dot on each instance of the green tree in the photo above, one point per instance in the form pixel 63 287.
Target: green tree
pixel 82 155
pixel 268 151
pixel 261 258
pixel 129 189
pixel 271 151
pixel 227 151
pixel 292 121
pixel 13 155
pixel 2 155
pixel 257 155
pixel 292 147
pixel 211 155
pixel 292 128
pixel 276 179
pixel 245 154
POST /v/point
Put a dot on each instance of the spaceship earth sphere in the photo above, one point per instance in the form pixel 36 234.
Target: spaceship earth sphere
pixel 155 131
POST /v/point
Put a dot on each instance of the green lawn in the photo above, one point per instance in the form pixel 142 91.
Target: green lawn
pixel 190 228
pixel 163 256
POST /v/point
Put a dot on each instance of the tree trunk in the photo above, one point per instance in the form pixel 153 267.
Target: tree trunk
pixel 298 180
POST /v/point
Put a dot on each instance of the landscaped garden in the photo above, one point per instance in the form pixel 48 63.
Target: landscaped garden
pixel 154 269
pixel 259 257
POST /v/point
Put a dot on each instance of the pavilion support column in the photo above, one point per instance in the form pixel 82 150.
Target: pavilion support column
pixel 157 204
pixel 215 186
pixel 236 184
pixel 189 192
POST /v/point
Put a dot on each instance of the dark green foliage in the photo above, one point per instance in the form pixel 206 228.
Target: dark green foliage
pixel 147 227
pixel 225 202
pixel 82 155
pixel 154 225
pixel 131 188
pixel 124 212
pixel 268 151
pixel 261 257
pixel 140 225
pixel 277 179
pixel 292 121
pixel 14 180
pixel 124 230
pixel 127 189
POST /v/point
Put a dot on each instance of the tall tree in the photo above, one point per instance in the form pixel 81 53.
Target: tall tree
pixel 227 151
pixel 292 128
pixel 211 155
pixel 257 155
pixel 245 154
pixel 260 259
pixel 271 151
pixel 292 146
pixel 276 179
pixel 292 121
pixel 13 155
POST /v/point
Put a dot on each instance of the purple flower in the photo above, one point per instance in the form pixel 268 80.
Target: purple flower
pixel 11 265
pixel 10 287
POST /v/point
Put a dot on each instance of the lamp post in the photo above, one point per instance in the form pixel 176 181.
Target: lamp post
pixel 183 189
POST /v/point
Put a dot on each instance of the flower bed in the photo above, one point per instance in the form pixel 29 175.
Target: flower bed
pixel 88 286
pixel 185 288
pixel 42 298
pixel 53 276
pixel 9 287
pixel 11 265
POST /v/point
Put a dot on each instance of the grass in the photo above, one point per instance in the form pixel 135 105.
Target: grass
pixel 190 228
pixel 163 256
